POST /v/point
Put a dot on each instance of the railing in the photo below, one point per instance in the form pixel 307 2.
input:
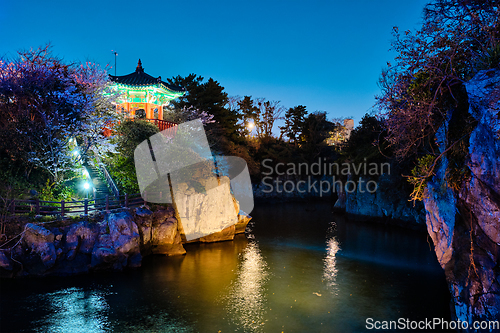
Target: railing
pixel 109 181
pixel 162 124
pixel 69 208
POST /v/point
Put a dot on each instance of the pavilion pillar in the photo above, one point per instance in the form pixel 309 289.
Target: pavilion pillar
pixel 160 112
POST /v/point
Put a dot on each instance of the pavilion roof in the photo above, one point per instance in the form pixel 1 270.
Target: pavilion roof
pixel 141 79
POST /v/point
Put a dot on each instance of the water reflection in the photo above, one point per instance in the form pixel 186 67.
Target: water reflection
pixel 247 294
pixel 75 310
pixel 330 270
pixel 283 278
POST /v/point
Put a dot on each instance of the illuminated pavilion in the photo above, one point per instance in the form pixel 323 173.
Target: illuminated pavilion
pixel 140 90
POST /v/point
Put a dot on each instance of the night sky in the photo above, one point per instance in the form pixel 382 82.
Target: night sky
pixel 326 55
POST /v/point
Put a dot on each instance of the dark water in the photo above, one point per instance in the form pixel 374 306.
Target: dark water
pixel 303 270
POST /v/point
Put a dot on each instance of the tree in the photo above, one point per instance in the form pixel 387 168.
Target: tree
pixel 99 112
pixel 44 103
pixel 270 111
pixel 316 128
pixel 294 123
pixel 457 39
pixel 189 113
pixel 249 112
pixel 211 98
pixel 193 85
pixel 367 141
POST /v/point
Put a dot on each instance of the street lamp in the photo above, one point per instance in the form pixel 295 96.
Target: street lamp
pixel 250 127
pixel 86 186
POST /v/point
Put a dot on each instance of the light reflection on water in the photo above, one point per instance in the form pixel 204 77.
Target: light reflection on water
pixel 247 293
pixel 74 310
pixel 304 270
pixel 331 270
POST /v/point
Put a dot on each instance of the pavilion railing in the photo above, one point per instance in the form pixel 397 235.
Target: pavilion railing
pixel 162 124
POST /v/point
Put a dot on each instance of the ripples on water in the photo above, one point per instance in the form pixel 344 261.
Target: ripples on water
pixel 302 270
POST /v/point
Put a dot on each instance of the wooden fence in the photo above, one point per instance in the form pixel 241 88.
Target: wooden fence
pixel 71 208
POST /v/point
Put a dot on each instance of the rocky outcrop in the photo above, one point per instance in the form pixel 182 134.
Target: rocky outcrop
pixel 208 213
pixel 117 241
pixel 387 200
pixel 241 225
pixel 464 223
pixel 117 245
pixel 159 231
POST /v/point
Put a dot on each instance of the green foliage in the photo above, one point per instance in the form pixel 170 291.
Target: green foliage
pixel 47 192
pixel 122 165
pixel 420 175
pixel 131 133
pixel 56 192
pixel 122 170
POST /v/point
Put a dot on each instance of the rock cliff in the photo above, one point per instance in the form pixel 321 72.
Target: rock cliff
pixel 389 201
pixel 464 223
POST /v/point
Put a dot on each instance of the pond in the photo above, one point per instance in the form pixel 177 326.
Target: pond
pixel 302 268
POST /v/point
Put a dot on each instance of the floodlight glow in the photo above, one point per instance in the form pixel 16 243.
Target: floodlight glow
pixel 251 126
pixel 76 153
pixel 86 185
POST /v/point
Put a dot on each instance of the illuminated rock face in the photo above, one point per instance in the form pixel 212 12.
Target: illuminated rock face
pixel 464 223
pixel 204 214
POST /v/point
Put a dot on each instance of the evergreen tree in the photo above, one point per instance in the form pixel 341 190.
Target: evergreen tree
pixel 211 98
pixel 294 123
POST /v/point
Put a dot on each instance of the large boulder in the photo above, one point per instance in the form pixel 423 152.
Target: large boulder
pixel 166 237
pixel 39 251
pixel 80 237
pixel 204 213
pixel 118 245
pixel 143 217
pixel 6 264
pixel 243 220
pixel 223 235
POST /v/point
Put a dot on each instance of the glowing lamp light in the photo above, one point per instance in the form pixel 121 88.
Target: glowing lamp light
pixel 251 126
pixel 76 153
pixel 86 185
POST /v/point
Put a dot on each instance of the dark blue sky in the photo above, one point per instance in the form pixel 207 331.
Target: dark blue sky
pixel 326 55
